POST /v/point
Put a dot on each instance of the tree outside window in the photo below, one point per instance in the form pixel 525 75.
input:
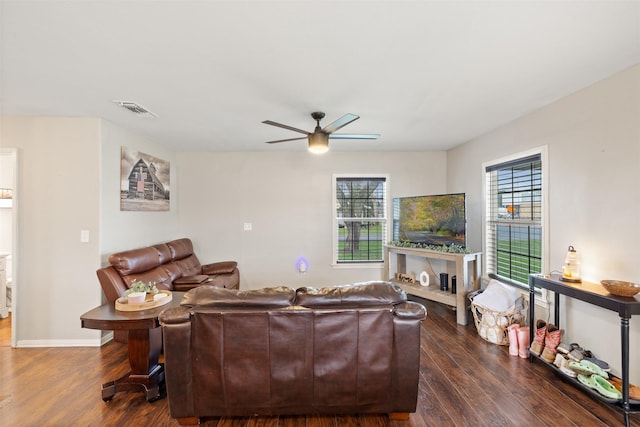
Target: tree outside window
pixel 361 219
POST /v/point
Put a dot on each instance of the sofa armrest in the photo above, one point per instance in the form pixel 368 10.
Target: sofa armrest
pixel 176 332
pixel 185 287
pixel 410 311
pixel 223 267
pixel 111 282
pixel 174 315
pixel 406 355
pixel 186 283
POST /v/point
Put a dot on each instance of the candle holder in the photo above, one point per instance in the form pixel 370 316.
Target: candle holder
pixel 571 267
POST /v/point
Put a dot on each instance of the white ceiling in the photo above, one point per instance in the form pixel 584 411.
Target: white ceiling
pixel 426 75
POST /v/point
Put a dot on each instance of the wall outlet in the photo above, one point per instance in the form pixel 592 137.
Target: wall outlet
pixel 84 236
pixel 248 226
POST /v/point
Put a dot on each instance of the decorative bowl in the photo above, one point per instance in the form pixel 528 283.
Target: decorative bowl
pixel 158 297
pixel 136 297
pixel 620 288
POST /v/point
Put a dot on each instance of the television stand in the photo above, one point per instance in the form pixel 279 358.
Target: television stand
pixel 468 272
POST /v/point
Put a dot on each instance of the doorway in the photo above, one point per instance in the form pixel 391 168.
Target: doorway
pixel 8 244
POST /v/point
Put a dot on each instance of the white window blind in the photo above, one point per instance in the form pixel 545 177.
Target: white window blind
pixel 360 230
pixel 514 218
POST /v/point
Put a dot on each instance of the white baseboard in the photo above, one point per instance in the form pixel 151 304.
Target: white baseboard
pixel 107 337
pixel 94 342
pixel 58 343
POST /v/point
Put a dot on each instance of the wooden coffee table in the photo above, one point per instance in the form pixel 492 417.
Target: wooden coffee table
pixel 144 346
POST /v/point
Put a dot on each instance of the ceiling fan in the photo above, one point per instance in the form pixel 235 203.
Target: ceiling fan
pixel 319 138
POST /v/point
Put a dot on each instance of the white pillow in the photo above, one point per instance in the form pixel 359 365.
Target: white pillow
pixel 497 297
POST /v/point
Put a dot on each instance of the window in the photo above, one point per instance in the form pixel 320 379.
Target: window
pixel 514 213
pixel 360 219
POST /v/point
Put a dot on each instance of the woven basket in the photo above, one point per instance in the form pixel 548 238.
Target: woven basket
pixel 492 325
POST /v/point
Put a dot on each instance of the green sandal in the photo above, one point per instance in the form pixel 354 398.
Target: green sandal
pixel 596 368
pixel 585 367
pixel 605 388
pixel 581 368
pixel 587 380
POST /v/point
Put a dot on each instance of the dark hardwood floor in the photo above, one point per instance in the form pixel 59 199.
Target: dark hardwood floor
pixel 464 381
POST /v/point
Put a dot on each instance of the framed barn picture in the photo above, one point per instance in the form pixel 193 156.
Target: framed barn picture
pixel 144 182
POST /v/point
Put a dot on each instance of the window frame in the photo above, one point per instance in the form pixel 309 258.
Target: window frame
pixel 544 256
pixel 335 220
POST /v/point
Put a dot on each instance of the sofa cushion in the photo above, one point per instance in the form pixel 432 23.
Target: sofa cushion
pixel 212 296
pixel 173 270
pixel 135 261
pixel 356 295
pixel 190 266
pixel 156 275
pixel 180 248
pixel 164 253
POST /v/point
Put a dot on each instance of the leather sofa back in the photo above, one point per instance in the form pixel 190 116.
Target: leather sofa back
pixel 356 295
pixel 278 351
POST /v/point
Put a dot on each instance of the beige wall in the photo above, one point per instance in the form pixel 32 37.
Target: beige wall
pixel 58 195
pixel 593 140
pixel 287 196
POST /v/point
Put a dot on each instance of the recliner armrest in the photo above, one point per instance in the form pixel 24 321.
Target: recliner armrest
pixel 174 315
pixel 222 267
pixel 410 310
pixel 184 287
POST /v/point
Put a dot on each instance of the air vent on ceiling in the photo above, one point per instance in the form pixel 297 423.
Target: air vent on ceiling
pixel 138 109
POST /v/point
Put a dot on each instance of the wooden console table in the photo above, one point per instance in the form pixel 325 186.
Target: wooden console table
pixel 468 272
pixel 144 346
pixel 596 294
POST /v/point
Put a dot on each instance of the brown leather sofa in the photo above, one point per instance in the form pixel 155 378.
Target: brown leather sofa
pixel 275 351
pixel 172 266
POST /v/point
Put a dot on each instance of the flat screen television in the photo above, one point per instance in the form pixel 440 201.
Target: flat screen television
pixel 430 220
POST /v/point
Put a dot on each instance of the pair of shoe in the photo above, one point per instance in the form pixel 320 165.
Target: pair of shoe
pixel 577 353
pixel 600 384
pixel 562 363
pixel 518 340
pixel 546 339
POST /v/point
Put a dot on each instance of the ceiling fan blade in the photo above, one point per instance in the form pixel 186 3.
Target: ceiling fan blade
pixel 340 123
pixel 280 125
pixel 285 140
pixel 354 136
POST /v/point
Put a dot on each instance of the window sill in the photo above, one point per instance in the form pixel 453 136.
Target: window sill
pixel 379 266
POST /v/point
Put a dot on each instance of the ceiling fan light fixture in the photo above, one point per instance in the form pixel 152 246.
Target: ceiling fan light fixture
pixel 318 143
pixel 319 139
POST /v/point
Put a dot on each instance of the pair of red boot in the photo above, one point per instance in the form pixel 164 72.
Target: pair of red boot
pixel 546 339
pixel 518 340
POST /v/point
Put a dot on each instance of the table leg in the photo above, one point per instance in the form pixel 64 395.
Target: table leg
pixel 532 308
pixel 624 336
pixel 144 346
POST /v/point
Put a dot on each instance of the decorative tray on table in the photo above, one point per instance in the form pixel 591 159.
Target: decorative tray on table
pixel 151 301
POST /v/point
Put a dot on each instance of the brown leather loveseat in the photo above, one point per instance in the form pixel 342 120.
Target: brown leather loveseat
pixel 278 351
pixel 172 266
